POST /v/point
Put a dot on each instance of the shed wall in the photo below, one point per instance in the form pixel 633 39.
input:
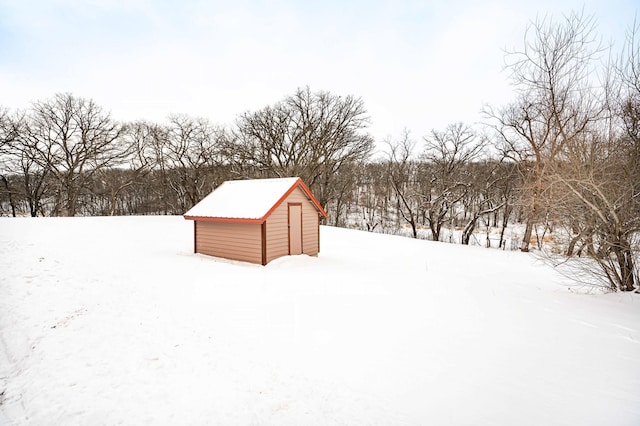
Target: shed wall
pixel 238 241
pixel 278 231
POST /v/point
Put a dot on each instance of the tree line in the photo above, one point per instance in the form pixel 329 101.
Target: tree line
pixel 562 159
pixel 66 156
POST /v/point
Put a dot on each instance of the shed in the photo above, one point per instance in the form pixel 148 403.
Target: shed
pixel 257 220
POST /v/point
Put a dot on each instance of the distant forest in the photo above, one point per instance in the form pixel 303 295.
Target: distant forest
pixel 562 159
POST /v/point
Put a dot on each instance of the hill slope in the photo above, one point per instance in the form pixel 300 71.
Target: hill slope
pixel 114 320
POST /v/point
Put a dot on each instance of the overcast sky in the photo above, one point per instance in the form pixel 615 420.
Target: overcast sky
pixel 416 64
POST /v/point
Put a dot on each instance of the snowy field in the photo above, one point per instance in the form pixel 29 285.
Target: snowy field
pixel 108 321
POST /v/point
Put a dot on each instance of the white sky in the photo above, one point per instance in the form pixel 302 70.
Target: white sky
pixel 416 64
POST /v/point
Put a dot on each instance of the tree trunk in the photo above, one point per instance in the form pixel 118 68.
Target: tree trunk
pixel 11 202
pixel 624 256
pixel 526 238
pixel 33 208
pixel 435 234
pixel 468 230
pixel 412 222
pixel 572 245
pixel 505 222
pixel 336 221
pixel 70 205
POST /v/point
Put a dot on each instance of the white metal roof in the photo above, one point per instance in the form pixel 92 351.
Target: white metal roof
pixel 243 199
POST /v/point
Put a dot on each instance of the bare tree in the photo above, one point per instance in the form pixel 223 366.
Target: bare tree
pixel 555 102
pixel 448 153
pixel 372 194
pixel 193 152
pixel 7 137
pixel 507 189
pixel 313 135
pixel 595 181
pixel 160 146
pixel 401 172
pixel 598 179
pixel 345 184
pixel 484 196
pixel 29 179
pixel 137 142
pixel 597 191
pixel 72 138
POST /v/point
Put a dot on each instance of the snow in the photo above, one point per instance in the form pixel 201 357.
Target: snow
pixel 115 321
pixel 243 199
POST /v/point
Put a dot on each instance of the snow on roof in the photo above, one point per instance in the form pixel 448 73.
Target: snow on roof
pixel 243 199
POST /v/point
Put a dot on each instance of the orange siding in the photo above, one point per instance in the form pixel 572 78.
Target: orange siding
pixel 238 241
pixel 278 231
pixel 310 237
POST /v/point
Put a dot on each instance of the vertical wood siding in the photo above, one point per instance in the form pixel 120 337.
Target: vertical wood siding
pixel 238 241
pixel 278 231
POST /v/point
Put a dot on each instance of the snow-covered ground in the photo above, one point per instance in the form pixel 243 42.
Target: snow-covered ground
pixel 115 321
